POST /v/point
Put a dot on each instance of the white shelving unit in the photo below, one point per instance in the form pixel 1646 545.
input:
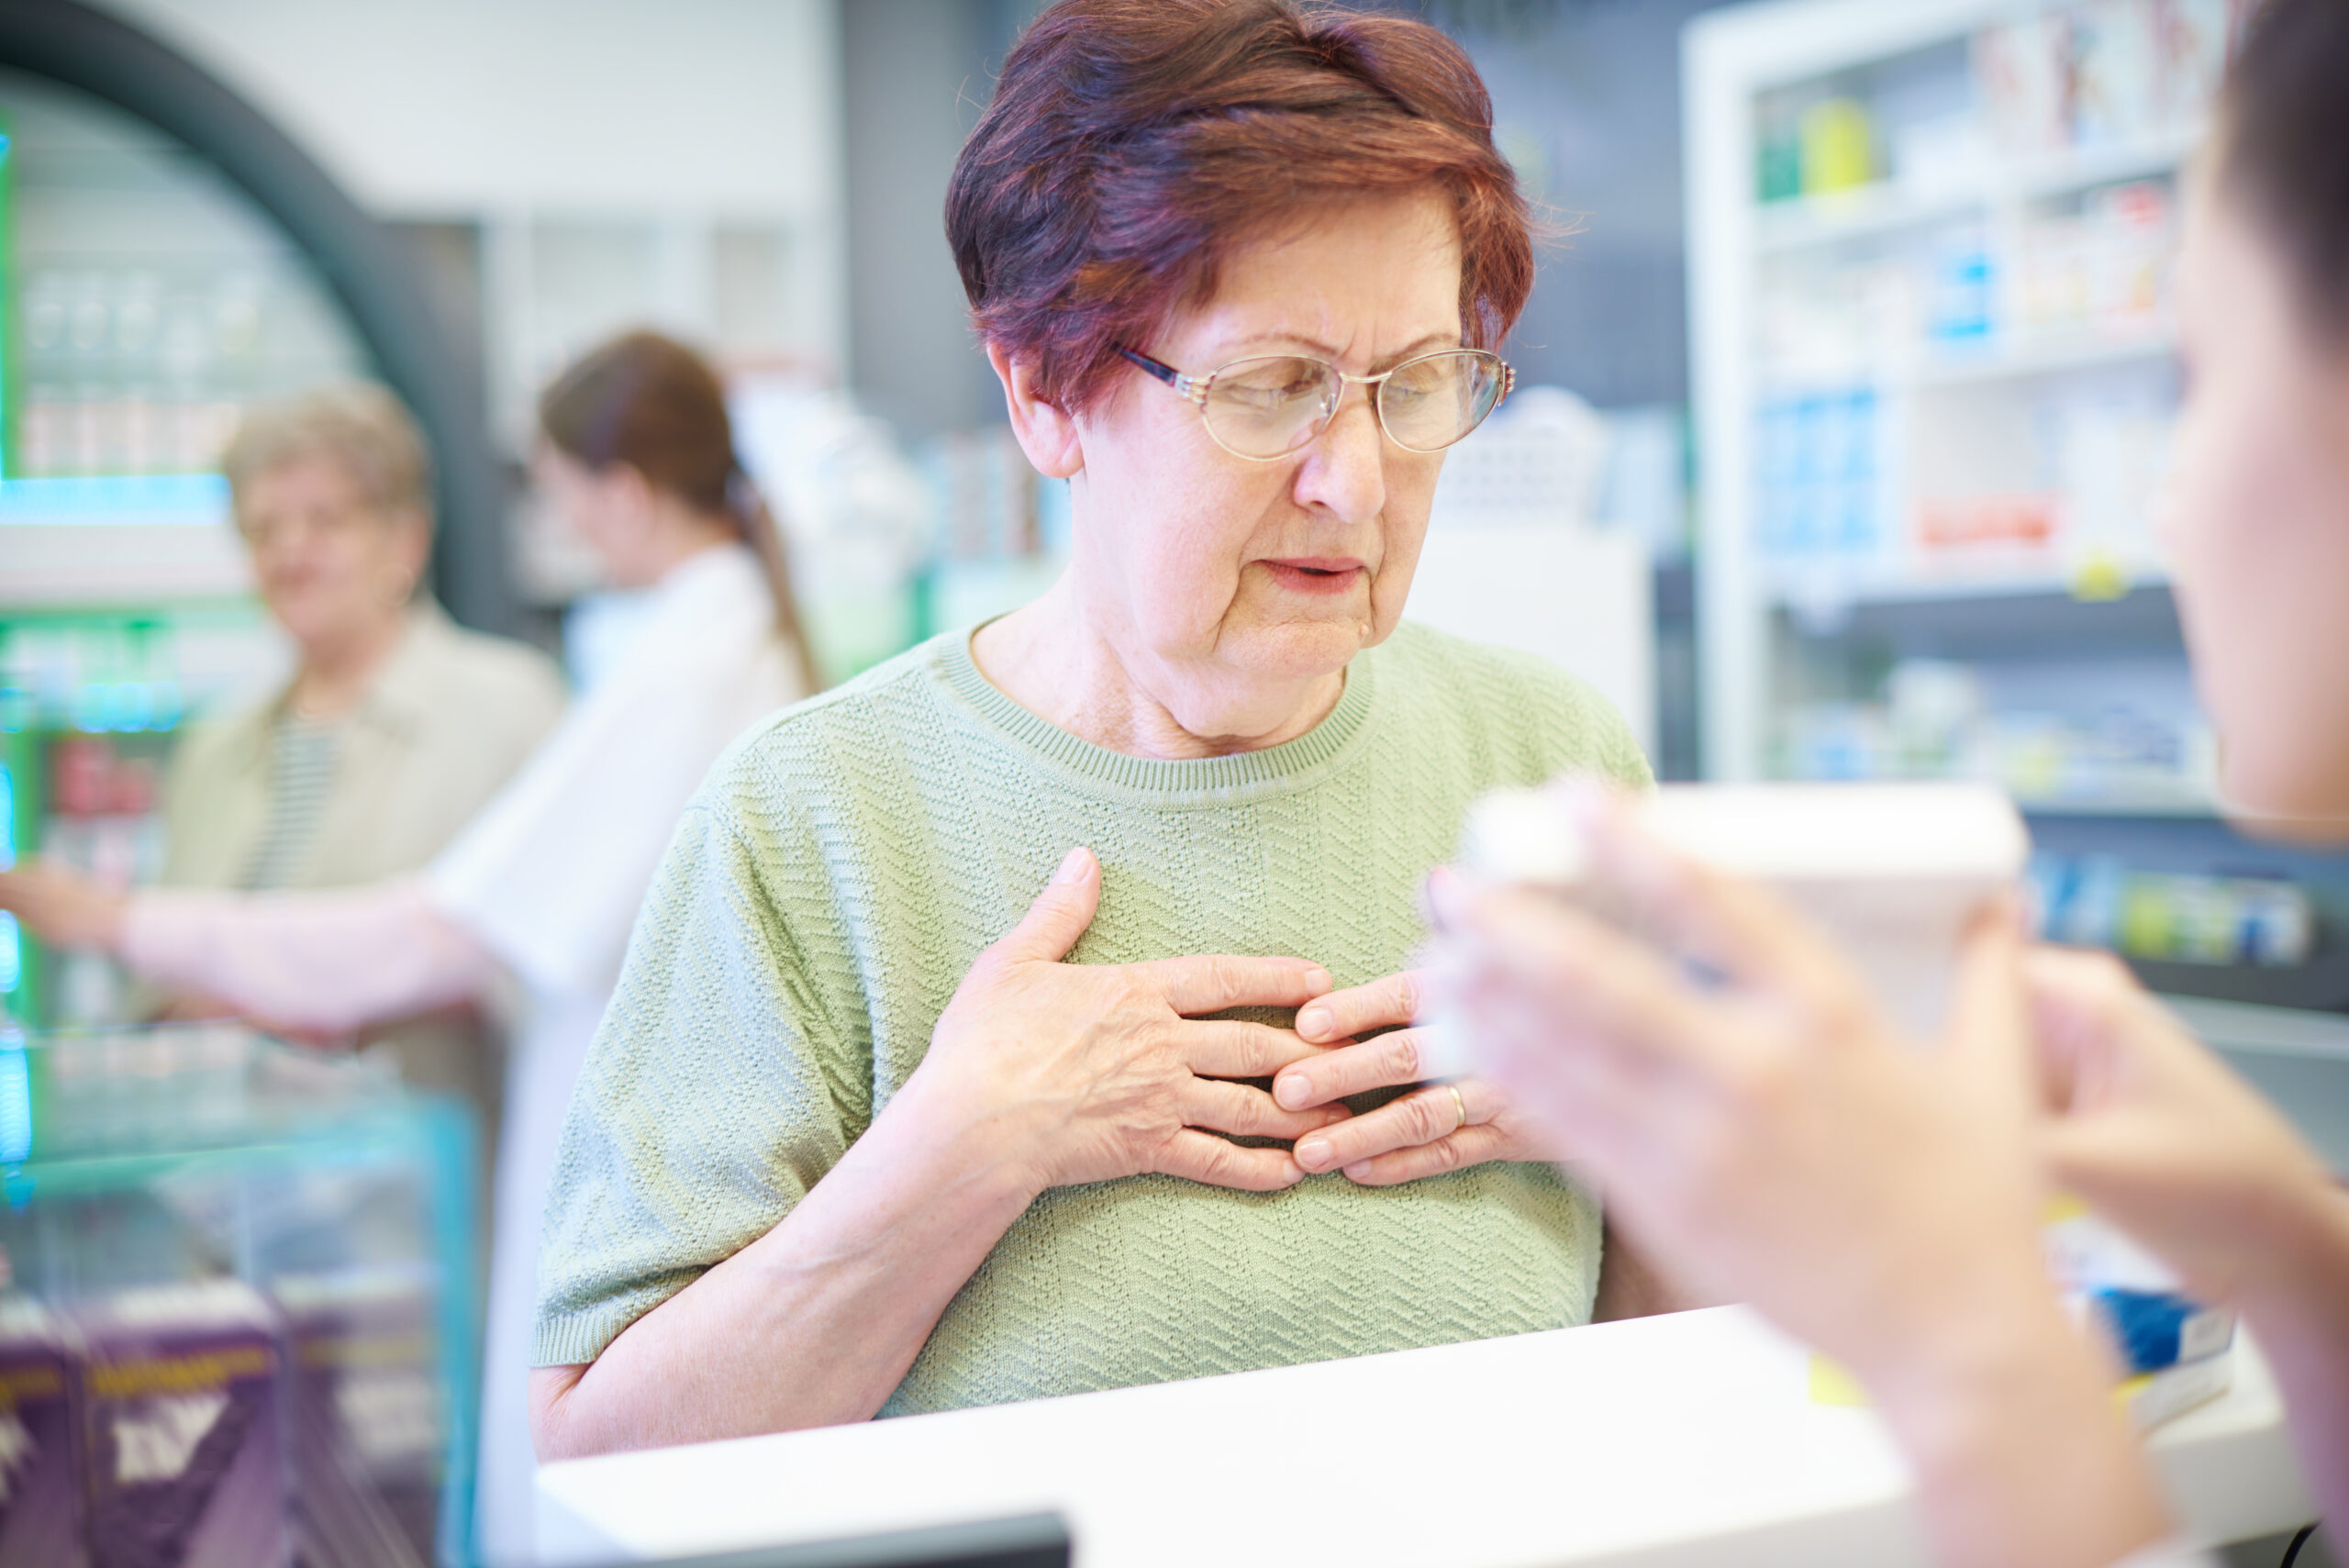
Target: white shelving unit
pixel 1944 322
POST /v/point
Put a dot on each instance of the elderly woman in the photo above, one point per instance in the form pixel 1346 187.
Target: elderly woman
pixel 395 725
pixel 873 1125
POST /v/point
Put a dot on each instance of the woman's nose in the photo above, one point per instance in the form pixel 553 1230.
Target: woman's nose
pixel 1344 468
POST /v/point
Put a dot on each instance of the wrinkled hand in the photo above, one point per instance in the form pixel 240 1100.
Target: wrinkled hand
pixel 1088 1073
pixel 1771 1136
pixel 62 907
pixel 1424 1133
pixel 2158 1134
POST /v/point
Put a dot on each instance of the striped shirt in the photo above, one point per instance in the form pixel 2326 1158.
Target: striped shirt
pixel 303 754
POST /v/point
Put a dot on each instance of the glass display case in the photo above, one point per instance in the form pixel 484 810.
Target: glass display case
pixel 237 1317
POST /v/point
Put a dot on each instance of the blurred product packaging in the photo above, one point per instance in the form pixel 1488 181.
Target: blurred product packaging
pixel 40 1488
pixel 237 1305
pixel 181 1389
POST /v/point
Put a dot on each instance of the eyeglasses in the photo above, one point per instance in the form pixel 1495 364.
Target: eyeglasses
pixel 1263 409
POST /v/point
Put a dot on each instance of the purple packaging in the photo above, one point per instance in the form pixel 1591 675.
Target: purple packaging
pixel 368 1418
pixel 180 1391
pixel 40 1491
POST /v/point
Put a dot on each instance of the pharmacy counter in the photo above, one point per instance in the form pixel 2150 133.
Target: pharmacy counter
pixel 1689 1440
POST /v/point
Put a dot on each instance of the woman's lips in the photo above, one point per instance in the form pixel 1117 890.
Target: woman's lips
pixel 1316 574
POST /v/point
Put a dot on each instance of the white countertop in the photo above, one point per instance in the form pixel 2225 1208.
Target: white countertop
pixel 1658 1443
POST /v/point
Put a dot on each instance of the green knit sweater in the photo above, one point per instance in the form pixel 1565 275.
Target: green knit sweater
pixel 840 870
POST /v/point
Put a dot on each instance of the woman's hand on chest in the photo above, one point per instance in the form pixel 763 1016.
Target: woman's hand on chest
pixel 1434 1128
pixel 1088 1072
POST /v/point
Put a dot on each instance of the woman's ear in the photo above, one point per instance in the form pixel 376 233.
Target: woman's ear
pixel 1046 433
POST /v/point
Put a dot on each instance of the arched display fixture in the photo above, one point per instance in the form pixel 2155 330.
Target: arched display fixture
pixel 107 58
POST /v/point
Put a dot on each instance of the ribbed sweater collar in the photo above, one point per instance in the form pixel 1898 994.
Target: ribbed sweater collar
pixel 1187 781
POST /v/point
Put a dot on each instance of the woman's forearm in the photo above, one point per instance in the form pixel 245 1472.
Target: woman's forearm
pixel 816 1322
pixel 329 962
pixel 2301 1319
pixel 2021 1455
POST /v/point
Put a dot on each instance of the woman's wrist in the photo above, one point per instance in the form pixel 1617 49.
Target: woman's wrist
pixel 2297 1274
pixel 2017 1442
pixel 966 1138
pixel 1965 1317
pixel 1976 1343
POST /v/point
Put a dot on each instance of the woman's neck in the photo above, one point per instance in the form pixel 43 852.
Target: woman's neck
pixel 1052 660
pixel 335 675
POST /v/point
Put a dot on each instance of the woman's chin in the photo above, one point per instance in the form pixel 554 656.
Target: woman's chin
pixel 1299 650
pixel 315 626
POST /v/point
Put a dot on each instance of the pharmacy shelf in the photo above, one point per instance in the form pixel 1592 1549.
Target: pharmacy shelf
pixel 1822 606
pixel 2015 625
pixel 1839 217
pixel 2276 1031
pixel 1758 606
pixel 2023 359
pixel 190 499
pixel 2051 356
pixel 1866 211
pixel 2181 808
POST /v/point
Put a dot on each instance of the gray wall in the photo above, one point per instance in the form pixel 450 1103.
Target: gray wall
pixel 1586 102
pixel 1586 98
pixel 915 75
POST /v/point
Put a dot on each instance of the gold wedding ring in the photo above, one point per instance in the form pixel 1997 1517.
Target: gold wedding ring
pixel 1459 1105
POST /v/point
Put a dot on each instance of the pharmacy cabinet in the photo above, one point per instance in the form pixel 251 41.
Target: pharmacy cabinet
pixel 1932 287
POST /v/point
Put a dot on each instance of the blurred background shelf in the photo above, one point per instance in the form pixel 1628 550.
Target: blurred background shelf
pixel 1932 251
pixel 1884 207
pixel 167 1174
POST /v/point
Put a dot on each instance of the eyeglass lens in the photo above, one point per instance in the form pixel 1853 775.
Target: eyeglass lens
pixel 1269 407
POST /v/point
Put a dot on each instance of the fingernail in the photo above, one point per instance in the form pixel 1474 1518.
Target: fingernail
pixel 1293 1091
pixel 1313 1153
pixel 1358 1170
pixel 1440 895
pixel 1072 867
pixel 1319 980
pixel 1313 1022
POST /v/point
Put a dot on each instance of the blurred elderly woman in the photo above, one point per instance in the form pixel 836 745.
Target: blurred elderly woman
pixel 396 724
pixel 873 1125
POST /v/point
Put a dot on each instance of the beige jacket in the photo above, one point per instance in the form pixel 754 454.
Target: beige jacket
pixel 451 716
pixel 447 722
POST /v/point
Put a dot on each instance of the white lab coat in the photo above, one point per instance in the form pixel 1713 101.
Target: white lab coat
pixel 548 877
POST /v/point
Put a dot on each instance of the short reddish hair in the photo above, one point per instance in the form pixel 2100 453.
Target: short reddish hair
pixel 1132 144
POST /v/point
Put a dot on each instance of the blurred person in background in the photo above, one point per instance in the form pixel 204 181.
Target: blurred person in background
pixel 396 725
pixel 1777 1141
pixel 543 883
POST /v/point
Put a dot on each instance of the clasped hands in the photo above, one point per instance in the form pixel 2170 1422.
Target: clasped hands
pixel 1088 1072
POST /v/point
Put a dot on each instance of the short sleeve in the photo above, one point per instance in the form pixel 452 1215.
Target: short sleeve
pixel 710 1102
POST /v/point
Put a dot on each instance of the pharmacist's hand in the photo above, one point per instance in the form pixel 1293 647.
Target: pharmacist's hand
pixel 1435 1129
pixel 1086 1073
pixel 1763 1129
pixel 2159 1135
pixel 63 907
